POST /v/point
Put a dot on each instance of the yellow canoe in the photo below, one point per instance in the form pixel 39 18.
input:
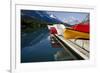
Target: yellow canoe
pixel 72 34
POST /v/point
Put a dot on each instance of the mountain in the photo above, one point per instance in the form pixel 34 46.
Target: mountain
pixel 40 16
pixel 34 20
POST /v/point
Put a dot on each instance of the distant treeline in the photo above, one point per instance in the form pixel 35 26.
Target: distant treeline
pixel 29 24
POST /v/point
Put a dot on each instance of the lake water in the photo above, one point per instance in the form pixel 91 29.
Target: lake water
pixel 38 47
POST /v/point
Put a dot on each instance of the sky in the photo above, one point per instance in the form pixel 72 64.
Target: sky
pixel 69 17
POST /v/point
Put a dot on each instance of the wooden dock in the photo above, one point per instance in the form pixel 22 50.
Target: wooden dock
pixel 78 49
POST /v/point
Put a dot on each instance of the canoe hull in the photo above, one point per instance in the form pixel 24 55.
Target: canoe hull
pixel 72 34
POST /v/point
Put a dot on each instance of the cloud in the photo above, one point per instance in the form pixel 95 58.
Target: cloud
pixel 72 20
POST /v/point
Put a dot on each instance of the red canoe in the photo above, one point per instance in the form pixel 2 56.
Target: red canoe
pixel 82 27
pixel 53 30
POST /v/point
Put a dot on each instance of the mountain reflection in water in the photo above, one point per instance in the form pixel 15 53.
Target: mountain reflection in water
pixel 39 47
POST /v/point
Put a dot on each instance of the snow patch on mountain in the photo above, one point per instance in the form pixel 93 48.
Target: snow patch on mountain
pixel 52 16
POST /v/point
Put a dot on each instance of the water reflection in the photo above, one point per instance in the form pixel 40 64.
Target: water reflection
pixel 54 42
pixel 40 46
pixel 60 55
